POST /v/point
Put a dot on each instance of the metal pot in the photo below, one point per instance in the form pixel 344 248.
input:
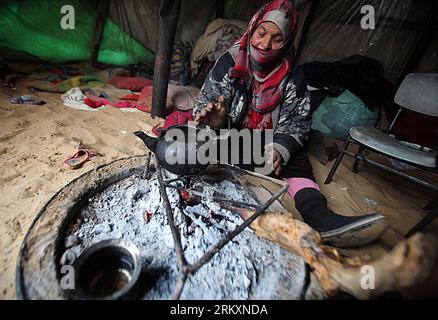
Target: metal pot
pixel 107 270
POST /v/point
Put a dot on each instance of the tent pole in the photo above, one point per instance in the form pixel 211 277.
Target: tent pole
pixel 220 9
pixel 101 16
pixel 421 44
pixel 309 20
pixel 168 14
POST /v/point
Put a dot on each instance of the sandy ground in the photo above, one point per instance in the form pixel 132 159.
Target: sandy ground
pixel 34 142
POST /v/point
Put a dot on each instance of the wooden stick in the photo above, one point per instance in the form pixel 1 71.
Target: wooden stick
pixel 410 262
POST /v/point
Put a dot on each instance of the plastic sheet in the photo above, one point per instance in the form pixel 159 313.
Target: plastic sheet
pixel 140 19
pixel 130 34
pixel 33 27
pixel 335 116
pixel 244 9
pixel 429 60
pixel 336 33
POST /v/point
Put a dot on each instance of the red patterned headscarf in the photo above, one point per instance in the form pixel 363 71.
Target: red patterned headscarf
pixel 268 68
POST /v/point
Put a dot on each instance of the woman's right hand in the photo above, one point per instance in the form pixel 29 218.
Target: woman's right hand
pixel 214 114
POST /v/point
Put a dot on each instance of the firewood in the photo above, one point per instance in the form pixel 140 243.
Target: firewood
pixel 410 262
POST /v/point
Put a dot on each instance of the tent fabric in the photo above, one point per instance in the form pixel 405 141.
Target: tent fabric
pixel 336 32
pixel 429 60
pixel 33 27
pixel 140 19
pixel 243 10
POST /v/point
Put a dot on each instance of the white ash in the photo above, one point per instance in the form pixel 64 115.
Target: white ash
pixel 248 267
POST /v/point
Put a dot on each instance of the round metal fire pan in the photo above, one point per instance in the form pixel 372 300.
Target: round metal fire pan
pixel 38 273
pixel 38 270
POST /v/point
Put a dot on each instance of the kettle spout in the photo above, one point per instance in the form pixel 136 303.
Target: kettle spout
pixel 149 141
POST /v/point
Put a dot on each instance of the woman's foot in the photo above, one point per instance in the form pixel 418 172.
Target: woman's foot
pixel 335 229
pixel 342 231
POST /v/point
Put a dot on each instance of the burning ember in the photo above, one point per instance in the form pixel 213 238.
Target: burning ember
pixel 248 267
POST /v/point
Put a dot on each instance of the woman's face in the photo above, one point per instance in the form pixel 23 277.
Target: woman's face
pixel 267 36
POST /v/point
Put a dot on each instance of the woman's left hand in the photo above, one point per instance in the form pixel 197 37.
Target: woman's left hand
pixel 274 159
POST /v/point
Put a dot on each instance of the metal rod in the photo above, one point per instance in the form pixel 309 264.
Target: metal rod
pixel 394 120
pixel 168 14
pixel 207 256
pixel 220 199
pixel 357 159
pixel 338 161
pixel 180 284
pixel 432 204
pixel 389 169
pixel 176 237
pixel 101 17
pixel 147 165
pixel 430 216
pixel 184 176
pixel 185 268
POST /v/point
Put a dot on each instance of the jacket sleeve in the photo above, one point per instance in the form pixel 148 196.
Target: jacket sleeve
pixel 294 122
pixel 217 83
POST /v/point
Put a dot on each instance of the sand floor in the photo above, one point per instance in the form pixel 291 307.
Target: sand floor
pixel 35 140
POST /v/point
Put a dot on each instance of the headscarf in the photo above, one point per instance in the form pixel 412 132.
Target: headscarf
pixel 269 68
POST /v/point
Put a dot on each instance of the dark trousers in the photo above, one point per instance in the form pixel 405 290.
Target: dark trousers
pixel 298 165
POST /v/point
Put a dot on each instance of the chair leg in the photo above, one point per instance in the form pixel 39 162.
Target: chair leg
pixel 356 159
pixel 430 216
pixel 337 161
pixel 432 204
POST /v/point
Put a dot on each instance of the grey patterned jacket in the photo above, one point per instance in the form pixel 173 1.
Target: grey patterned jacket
pixel 291 119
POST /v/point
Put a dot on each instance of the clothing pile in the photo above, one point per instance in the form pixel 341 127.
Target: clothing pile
pixel 345 93
pixel 86 88
pixel 362 76
pixel 178 97
pixel 180 73
pixel 62 78
pixel 219 36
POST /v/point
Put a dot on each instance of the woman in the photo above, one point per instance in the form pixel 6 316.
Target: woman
pixel 252 86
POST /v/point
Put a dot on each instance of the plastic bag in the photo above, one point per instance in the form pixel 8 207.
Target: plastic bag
pixel 335 116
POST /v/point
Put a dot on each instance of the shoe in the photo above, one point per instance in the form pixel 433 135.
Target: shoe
pixel 76 160
pixel 27 100
pixel 342 231
pixel 334 229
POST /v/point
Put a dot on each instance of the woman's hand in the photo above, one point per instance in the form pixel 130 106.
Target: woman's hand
pixel 274 159
pixel 214 114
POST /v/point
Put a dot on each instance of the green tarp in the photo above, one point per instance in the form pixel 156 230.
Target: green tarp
pixel 34 27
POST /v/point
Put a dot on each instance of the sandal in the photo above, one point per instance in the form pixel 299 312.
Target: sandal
pixel 27 100
pixel 79 158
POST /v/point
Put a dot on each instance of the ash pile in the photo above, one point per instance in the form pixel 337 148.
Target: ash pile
pixel 248 267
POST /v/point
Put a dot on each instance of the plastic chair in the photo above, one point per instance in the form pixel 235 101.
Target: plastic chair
pixel 419 93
